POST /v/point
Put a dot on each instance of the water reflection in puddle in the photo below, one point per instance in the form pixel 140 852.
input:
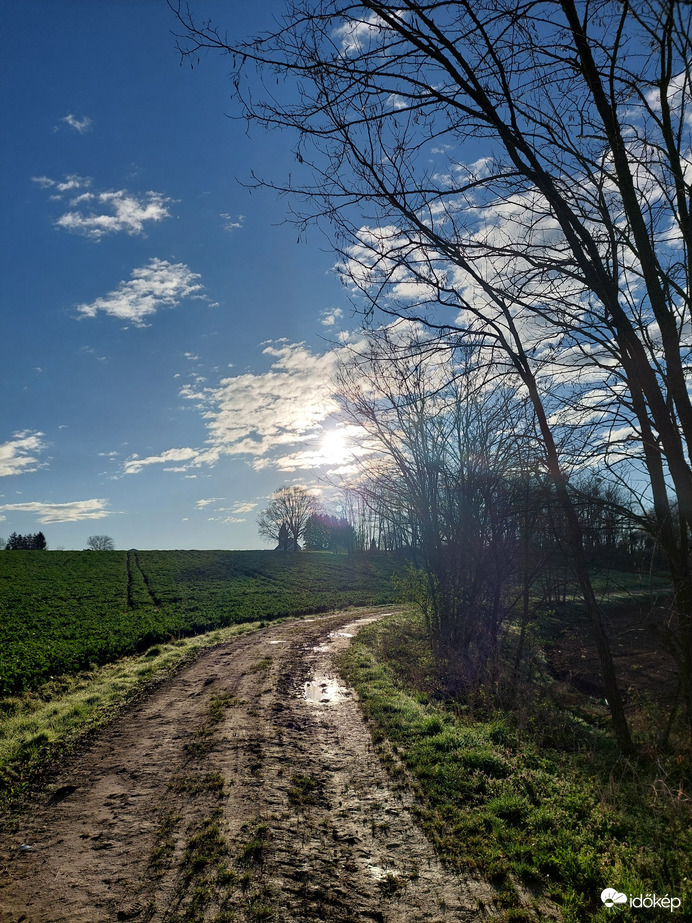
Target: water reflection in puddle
pixel 340 634
pixel 380 873
pixel 323 690
pixel 280 641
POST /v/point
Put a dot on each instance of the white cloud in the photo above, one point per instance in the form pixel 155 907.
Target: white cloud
pixel 79 125
pixel 357 34
pixel 19 454
pixel 74 511
pixel 258 414
pixel 97 214
pixel 157 285
pixel 331 316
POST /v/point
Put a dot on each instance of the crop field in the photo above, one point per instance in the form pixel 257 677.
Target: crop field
pixel 63 611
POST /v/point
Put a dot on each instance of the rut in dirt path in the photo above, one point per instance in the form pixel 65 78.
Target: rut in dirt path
pixel 245 788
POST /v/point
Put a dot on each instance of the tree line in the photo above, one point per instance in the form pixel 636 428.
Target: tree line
pixel 37 542
pixel 29 542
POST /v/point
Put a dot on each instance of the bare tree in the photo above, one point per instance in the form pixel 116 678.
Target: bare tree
pixel 451 446
pixel 100 543
pixel 517 175
pixel 289 509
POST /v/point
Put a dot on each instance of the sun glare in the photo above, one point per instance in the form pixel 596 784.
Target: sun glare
pixel 334 446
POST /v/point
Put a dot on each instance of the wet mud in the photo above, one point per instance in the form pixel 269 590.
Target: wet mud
pixel 245 788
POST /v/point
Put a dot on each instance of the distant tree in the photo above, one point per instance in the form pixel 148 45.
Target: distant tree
pixel 3 543
pixel 40 543
pixel 289 507
pixel 100 543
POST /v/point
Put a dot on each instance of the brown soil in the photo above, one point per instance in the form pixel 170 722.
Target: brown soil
pixel 644 664
pixel 245 788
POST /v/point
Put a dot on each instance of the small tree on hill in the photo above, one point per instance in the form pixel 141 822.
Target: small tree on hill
pixel 289 507
pixel 100 543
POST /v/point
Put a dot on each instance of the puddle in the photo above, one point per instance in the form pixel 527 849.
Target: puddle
pixel 323 690
pixel 320 649
pixel 340 634
pixel 280 641
pixel 380 873
pixel 366 621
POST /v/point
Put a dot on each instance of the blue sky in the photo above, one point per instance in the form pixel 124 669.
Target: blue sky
pixel 166 338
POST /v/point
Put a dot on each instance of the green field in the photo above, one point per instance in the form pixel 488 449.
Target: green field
pixel 64 611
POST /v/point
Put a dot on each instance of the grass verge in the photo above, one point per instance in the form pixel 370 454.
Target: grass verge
pixel 536 800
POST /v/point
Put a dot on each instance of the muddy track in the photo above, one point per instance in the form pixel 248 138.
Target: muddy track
pixel 243 789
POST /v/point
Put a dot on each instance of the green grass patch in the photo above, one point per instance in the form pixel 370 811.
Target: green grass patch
pixel 303 791
pixel 253 850
pixel 206 879
pixel 206 847
pixel 537 802
pixel 262 666
pixel 164 844
pixel 212 782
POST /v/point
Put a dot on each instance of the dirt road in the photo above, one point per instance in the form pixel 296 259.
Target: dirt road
pixel 243 789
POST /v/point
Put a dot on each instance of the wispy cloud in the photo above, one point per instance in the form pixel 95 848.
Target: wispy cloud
pixel 203 504
pixel 241 507
pixel 70 183
pixel 79 125
pixel 74 511
pixel 232 222
pixel 98 214
pixel 236 511
pixel 264 417
pixel 159 284
pixel 19 454
pixel 192 457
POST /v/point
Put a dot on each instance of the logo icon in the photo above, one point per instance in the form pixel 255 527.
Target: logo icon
pixel 611 897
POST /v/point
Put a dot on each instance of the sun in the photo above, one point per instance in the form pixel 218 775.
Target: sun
pixel 334 446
